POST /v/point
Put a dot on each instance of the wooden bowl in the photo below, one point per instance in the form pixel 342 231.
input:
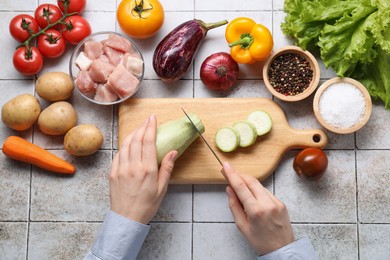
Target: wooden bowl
pixel 313 64
pixel 331 127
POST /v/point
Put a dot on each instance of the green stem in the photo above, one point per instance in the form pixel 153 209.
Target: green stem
pixel 209 26
pixel 49 26
pixel 245 41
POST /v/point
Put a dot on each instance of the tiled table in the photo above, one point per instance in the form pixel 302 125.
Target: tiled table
pixel 346 214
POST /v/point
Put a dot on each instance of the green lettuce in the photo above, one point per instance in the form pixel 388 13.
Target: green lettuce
pixel 353 38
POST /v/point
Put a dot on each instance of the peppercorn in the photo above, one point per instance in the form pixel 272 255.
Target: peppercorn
pixel 290 74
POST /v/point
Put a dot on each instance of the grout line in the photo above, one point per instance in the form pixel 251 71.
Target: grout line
pixel 29 210
pixel 357 199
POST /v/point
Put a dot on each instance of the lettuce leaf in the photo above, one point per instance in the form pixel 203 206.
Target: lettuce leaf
pixel 353 38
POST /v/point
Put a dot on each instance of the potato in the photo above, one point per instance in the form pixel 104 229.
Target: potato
pixel 83 140
pixel 21 112
pixel 57 119
pixel 54 86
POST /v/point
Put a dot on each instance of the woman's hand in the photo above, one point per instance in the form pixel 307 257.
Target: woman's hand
pixel 259 215
pixel 137 185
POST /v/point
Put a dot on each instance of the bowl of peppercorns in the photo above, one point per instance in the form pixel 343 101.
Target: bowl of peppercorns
pixel 291 73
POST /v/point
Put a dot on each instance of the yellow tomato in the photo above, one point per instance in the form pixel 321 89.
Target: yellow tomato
pixel 140 18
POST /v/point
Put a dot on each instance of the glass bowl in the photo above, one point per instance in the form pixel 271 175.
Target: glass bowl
pixel 342 105
pixel 294 50
pixel 99 82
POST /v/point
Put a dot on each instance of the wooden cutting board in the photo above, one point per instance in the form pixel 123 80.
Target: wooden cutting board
pixel 198 165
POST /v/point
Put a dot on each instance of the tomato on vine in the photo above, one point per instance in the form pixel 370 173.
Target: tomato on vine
pixel 22 26
pixel 47 13
pixel 51 44
pixel 140 18
pixel 28 61
pixel 73 6
pixel 75 29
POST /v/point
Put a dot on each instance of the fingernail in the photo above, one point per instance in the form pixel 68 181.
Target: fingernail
pixel 227 166
pixel 152 117
pixel 174 156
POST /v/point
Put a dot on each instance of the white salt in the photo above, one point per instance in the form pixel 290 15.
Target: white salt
pixel 342 105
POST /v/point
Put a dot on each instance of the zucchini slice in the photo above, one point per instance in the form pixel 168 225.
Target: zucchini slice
pixel 262 121
pixel 247 131
pixel 227 139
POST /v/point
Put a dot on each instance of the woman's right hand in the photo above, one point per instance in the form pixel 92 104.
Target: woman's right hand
pixel 258 214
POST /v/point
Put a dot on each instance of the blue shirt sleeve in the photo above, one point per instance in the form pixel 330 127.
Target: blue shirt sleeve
pixel 118 238
pixel 300 249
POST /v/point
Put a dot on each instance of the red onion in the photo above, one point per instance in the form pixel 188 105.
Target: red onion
pixel 219 71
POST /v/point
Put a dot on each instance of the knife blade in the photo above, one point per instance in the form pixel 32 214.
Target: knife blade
pixel 211 149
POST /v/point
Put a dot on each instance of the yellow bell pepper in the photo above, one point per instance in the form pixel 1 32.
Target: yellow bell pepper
pixel 249 41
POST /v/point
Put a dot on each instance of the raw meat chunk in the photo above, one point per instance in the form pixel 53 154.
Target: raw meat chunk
pixel 123 82
pixel 118 43
pixel 104 58
pixel 82 61
pixel 132 64
pixel 100 71
pixel 93 49
pixel 85 83
pixel 104 93
pixel 115 57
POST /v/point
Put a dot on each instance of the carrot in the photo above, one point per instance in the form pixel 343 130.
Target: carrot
pixel 19 149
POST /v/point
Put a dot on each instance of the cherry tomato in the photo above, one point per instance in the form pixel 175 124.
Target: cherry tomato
pixel 77 29
pixel 310 163
pixel 18 27
pixel 28 62
pixel 47 11
pixel 51 44
pixel 73 5
pixel 140 18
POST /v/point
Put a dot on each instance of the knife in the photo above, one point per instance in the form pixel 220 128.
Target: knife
pixel 197 130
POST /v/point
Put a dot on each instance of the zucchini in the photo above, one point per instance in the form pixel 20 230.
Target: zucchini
pixel 247 132
pixel 227 139
pixel 262 121
pixel 177 134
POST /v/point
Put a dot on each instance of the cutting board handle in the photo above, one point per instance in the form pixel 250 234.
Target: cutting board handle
pixel 308 138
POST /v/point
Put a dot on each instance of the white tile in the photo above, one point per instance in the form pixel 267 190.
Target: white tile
pixel 330 199
pixel 331 241
pixel 213 198
pixel 81 197
pixel 13 240
pixel 177 5
pixel 376 133
pixel 277 5
pixel 220 241
pixel 220 5
pixel 18 5
pixel 68 240
pixel 159 89
pixel 373 177
pixel 215 40
pixel 177 204
pixel 167 241
pixel 374 241
pixel 147 46
pixel 14 189
pixel 241 89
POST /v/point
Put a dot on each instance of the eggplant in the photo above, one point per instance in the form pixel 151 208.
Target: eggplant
pixel 175 53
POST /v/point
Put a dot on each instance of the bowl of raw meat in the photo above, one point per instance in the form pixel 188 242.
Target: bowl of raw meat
pixel 106 68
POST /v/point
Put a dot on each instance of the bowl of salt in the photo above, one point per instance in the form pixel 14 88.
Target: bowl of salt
pixel 342 105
